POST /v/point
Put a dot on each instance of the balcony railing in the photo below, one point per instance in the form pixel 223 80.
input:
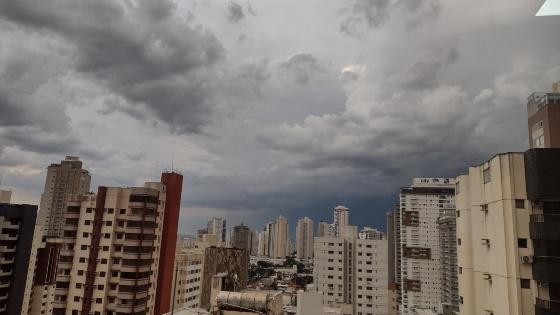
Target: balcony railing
pixel 546 307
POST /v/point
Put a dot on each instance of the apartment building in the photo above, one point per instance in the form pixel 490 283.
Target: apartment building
pixel 393 260
pixel 447 228
pixel 352 272
pixel 188 274
pixel 421 204
pixel 65 181
pixel 304 238
pixel 507 235
pixel 281 241
pixel 5 196
pixel 241 237
pixel 217 226
pixel 17 257
pixel 110 252
pixel 324 229
pixel 341 220
pixel 368 233
pixel 543 110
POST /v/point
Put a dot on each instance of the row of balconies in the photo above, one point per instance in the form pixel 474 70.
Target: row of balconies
pixel 546 307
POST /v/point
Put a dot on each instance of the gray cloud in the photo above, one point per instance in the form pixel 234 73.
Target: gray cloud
pixel 371 14
pixel 235 12
pixel 424 74
pixel 303 68
pixel 138 51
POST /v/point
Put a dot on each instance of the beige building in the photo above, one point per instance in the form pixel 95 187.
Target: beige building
pixel 281 243
pixel 65 181
pixel 217 226
pixel 110 252
pixel 304 238
pixel 188 271
pixel 507 234
pixel 5 196
pixel 353 272
pixel 324 229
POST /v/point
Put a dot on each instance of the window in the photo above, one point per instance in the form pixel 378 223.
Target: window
pixel 522 242
pixel 123 211
pixel 520 203
pixel 525 283
pixel 83 247
pixel 76 299
pixel 459 241
pixel 458 213
pixel 486 175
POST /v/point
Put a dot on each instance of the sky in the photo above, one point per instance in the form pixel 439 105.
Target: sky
pixel 268 107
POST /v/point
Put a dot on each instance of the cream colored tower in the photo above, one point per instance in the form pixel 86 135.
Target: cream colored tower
pixel 65 181
pixel 341 220
pixel 281 242
pixel 110 255
pixel 304 238
pixel 492 238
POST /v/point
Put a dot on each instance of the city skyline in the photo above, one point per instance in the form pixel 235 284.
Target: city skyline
pixel 293 117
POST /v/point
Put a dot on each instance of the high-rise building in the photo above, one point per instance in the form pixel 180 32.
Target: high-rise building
pixel 421 204
pixel 281 243
pixel 341 220
pixel 241 237
pixel 393 260
pixel 304 238
pixel 507 235
pixel 217 226
pixel 173 186
pixel 448 260
pixel 65 181
pixel 18 253
pixel 110 255
pixel 188 274
pixel 324 229
pixel 543 110
pixel 352 272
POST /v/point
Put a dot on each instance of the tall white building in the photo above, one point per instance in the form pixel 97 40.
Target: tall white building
pixel 341 220
pixel 352 272
pixel 65 181
pixel 304 238
pixel 217 226
pixel 421 205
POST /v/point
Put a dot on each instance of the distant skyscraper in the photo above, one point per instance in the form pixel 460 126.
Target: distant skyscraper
pixel 173 187
pixel 281 238
pixel 241 237
pixel 304 238
pixel 323 229
pixel 393 259
pixel 544 119
pixel 65 181
pixel 341 220
pixel 217 226
pixel 420 207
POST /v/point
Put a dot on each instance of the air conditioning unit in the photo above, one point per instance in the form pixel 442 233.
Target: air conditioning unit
pixel 485 241
pixel 488 312
pixel 527 259
pixel 484 208
pixel 487 276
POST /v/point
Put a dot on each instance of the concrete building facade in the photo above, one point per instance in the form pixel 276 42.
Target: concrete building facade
pixel 304 238
pixel 421 204
pixel 110 254
pixel 507 235
pixel 65 181
pixel 353 272
pixel 341 220
pixel 281 240
pixel 543 111
pixel 217 226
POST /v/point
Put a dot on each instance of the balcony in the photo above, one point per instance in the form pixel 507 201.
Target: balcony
pixel 544 226
pixel 546 307
pixel 546 269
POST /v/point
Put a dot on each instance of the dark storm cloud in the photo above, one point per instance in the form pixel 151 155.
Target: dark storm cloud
pixel 138 50
pixel 235 12
pixel 303 68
